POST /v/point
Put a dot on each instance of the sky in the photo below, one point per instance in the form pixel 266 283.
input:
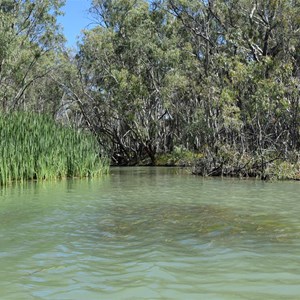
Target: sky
pixel 75 19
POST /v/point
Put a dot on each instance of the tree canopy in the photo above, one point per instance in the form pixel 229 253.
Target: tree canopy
pixel 30 42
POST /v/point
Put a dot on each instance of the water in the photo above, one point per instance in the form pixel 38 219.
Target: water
pixel 150 233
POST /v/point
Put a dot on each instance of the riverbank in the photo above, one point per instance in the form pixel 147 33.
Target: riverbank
pixel 266 166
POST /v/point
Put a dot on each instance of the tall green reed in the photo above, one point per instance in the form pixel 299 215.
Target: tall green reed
pixel 35 147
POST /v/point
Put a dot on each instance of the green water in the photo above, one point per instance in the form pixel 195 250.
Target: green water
pixel 150 233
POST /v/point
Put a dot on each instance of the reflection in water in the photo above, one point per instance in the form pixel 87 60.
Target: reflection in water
pixel 167 223
pixel 153 233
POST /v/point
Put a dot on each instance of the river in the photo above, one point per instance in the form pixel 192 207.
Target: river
pixel 150 233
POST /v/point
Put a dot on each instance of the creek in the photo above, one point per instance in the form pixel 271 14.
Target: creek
pixel 150 233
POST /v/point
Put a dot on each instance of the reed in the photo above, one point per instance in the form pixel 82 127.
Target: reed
pixel 35 147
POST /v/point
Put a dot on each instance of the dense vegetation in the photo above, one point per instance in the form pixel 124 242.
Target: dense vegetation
pixel 34 147
pixel 217 79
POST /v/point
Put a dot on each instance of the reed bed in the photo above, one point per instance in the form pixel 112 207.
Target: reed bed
pixel 34 147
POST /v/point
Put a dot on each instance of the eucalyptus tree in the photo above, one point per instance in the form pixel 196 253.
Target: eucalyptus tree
pixel 206 32
pixel 29 40
pixel 249 70
pixel 220 77
pixel 128 64
pixel 263 72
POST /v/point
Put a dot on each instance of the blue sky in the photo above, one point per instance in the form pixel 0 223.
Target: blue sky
pixel 75 19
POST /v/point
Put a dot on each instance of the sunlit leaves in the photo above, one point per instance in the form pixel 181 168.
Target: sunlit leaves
pixel 192 74
pixel 28 33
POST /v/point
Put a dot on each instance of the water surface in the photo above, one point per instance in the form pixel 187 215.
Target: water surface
pixel 150 233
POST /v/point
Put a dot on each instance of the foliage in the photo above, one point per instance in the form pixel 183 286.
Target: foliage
pixel 128 64
pixel 30 42
pixel 35 147
pixel 284 170
pixel 202 75
pixel 178 157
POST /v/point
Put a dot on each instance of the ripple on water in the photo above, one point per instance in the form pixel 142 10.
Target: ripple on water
pixel 157 237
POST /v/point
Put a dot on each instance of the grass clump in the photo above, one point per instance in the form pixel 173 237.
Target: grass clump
pixel 178 157
pixel 284 170
pixel 33 146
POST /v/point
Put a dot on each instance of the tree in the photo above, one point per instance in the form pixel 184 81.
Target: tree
pixel 30 40
pixel 218 77
pixel 127 64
